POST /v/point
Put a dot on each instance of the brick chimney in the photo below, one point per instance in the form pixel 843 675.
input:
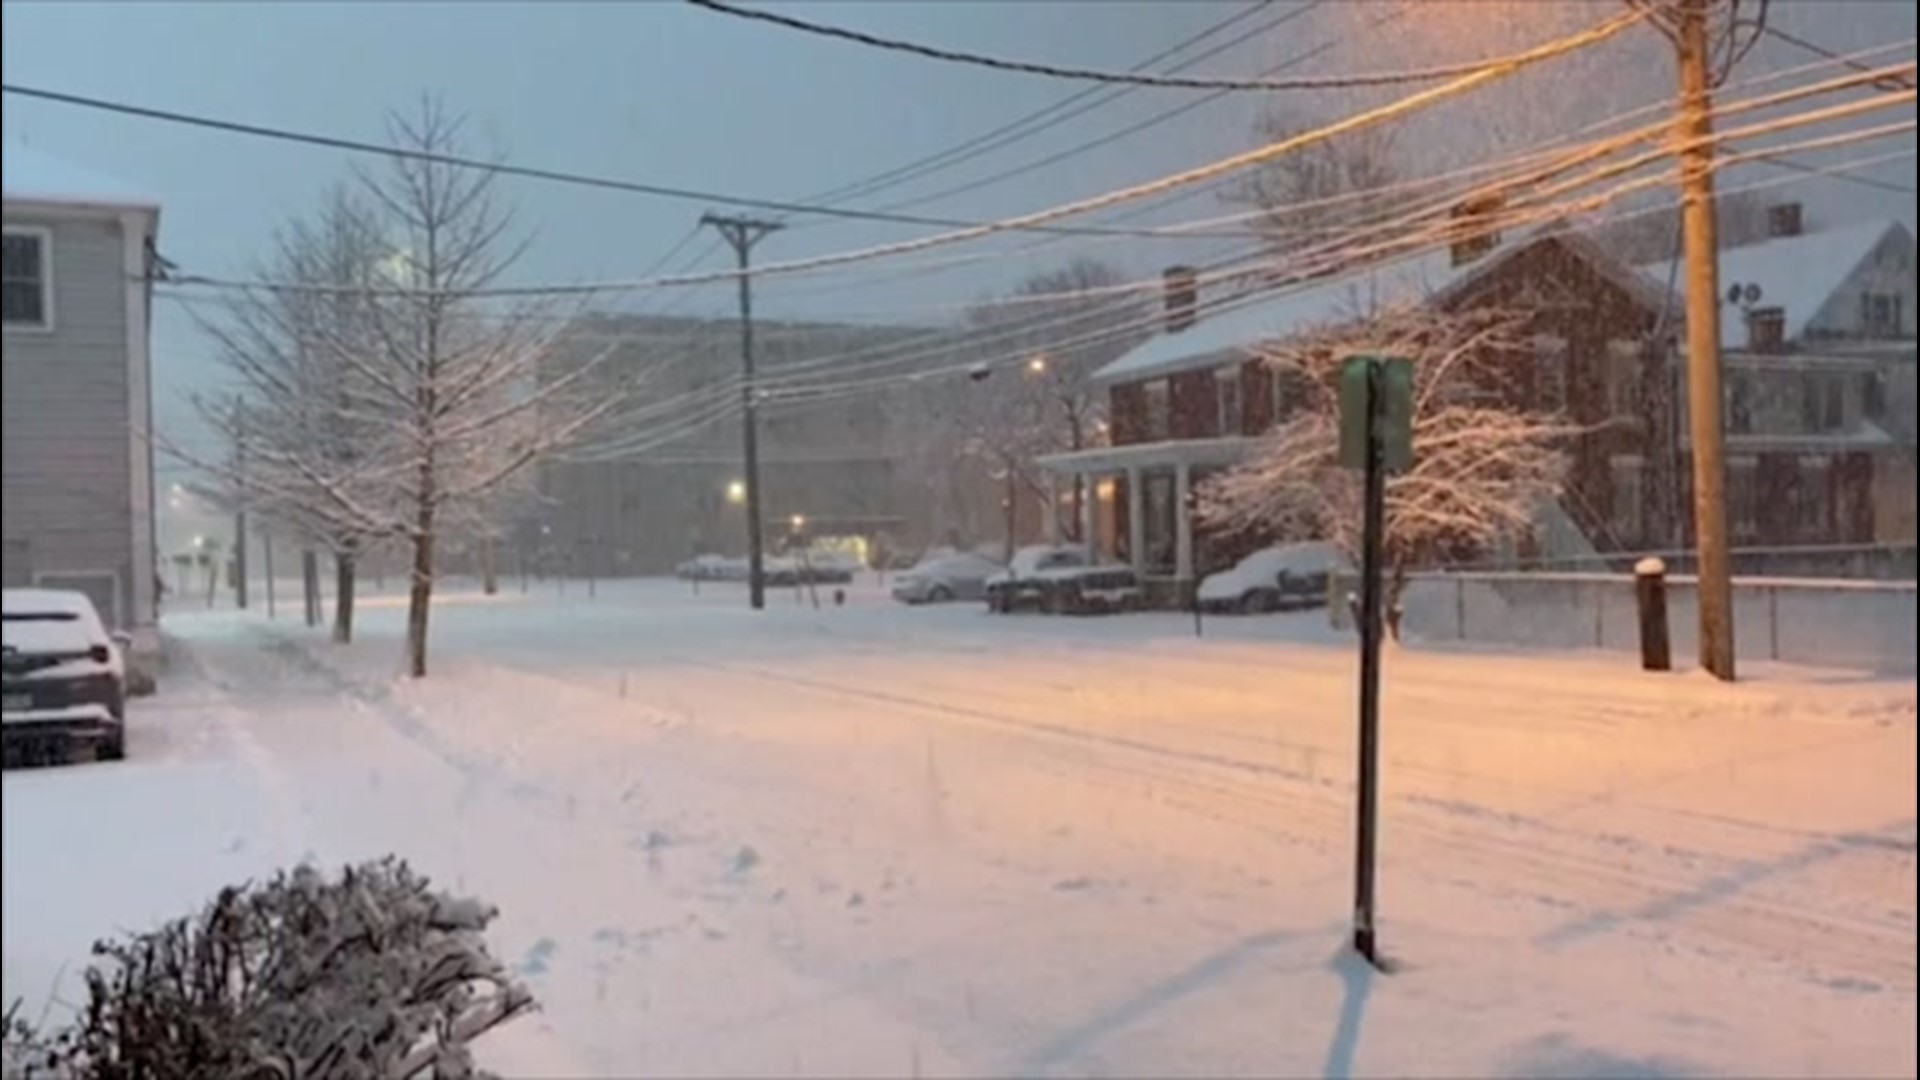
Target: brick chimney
pixel 1182 289
pixel 1767 329
pixel 1476 239
pixel 1783 219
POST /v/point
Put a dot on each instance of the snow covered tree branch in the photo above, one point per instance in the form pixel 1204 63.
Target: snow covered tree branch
pixel 1481 468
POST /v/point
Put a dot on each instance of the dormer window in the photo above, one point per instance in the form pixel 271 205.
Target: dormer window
pixel 1881 315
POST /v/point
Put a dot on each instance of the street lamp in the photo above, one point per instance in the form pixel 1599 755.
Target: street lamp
pixel 798 521
pixel 736 491
pixel 1037 365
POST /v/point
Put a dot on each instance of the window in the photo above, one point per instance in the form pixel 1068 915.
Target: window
pixel 1550 388
pixel 25 299
pixel 1743 497
pixel 1881 314
pixel 1740 404
pixel 1227 393
pixel 1809 499
pixel 1159 415
pixel 1623 378
pixel 1822 403
pixel 1629 494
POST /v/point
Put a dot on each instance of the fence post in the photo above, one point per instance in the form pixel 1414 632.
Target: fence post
pixel 1460 608
pixel 1650 595
pixel 1600 615
pixel 1773 621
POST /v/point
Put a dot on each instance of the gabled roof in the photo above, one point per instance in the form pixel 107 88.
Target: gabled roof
pixel 1242 323
pixel 1796 273
pixel 29 174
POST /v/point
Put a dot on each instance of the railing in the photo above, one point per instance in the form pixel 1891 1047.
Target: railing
pixel 1866 625
pixel 1873 562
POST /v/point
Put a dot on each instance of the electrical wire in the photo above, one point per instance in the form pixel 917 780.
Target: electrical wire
pixel 502 168
pixel 1059 112
pixel 1559 47
pixel 1121 78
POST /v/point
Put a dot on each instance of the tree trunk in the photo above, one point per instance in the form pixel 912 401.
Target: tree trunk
pixel 1396 588
pixel 489 579
pixel 420 596
pixel 344 565
pixel 1012 514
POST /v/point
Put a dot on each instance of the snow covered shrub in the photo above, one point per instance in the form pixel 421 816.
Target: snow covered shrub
pixel 368 975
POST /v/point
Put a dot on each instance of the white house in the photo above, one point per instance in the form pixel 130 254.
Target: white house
pixel 78 507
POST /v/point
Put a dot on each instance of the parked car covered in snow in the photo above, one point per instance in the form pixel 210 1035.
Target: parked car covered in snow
pixel 62 675
pixel 942 577
pixel 1021 585
pixel 1274 579
pixel 1090 590
pixel 710 568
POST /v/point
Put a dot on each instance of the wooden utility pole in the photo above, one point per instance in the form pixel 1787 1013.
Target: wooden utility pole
pixel 240 507
pixel 741 234
pixel 1704 403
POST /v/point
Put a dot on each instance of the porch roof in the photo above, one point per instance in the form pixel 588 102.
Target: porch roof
pixel 1229 450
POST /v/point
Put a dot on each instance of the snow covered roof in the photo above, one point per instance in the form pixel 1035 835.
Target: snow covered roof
pixel 1796 273
pixel 1235 323
pixel 29 174
pixel 1240 323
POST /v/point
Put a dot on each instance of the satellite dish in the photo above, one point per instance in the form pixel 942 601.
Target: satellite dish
pixel 1733 293
pixel 1750 293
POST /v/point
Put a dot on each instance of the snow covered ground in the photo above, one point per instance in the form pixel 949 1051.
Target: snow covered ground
pixel 878 841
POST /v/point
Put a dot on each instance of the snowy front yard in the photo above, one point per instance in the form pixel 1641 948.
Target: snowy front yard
pixel 886 842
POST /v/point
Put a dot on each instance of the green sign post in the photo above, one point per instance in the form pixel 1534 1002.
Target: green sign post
pixel 1376 436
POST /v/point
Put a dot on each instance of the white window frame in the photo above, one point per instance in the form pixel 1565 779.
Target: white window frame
pixel 45 236
pixel 1227 386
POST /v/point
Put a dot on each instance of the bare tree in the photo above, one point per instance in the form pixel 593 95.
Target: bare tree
pixel 1320 189
pixel 1067 323
pixel 1481 468
pixel 463 393
pixel 299 428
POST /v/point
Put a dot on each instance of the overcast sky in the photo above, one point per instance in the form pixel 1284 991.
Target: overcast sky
pixel 669 94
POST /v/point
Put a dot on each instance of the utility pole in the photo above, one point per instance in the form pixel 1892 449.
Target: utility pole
pixel 1704 404
pixel 741 233
pixel 240 509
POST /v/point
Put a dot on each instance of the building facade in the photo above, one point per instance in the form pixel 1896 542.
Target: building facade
pixel 78 464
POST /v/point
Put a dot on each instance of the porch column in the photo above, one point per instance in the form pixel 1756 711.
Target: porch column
pixel 1182 524
pixel 1053 508
pixel 1089 510
pixel 1136 521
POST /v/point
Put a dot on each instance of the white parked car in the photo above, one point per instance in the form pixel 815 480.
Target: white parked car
pixel 942 577
pixel 63 677
pixel 1274 579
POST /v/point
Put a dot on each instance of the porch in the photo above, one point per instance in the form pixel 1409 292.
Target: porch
pixel 1134 505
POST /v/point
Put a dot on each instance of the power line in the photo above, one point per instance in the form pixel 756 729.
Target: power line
pixel 1024 222
pixel 1821 50
pixel 502 168
pixel 1023 128
pixel 1122 78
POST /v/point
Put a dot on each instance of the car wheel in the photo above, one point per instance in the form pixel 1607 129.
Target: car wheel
pixel 113 747
pixel 939 595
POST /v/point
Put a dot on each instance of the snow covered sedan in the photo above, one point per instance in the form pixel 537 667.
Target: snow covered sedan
pixel 62 675
pixel 1090 590
pixel 1274 579
pixel 1020 584
pixel 939 578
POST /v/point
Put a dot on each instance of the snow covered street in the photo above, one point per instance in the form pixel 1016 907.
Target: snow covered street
pixel 880 841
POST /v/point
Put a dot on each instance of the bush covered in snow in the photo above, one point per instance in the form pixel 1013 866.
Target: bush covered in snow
pixel 370 974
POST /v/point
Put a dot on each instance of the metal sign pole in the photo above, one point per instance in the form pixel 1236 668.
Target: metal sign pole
pixel 1373 526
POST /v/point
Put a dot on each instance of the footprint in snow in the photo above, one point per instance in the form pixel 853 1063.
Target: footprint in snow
pixel 745 859
pixel 538 956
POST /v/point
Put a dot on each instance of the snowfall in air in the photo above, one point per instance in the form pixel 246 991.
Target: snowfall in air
pixel 882 841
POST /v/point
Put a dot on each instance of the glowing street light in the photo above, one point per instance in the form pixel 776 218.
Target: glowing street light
pixel 736 491
pixel 1037 366
pixel 798 521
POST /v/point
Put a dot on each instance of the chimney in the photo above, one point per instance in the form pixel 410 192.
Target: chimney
pixel 1767 329
pixel 1783 219
pixel 1182 297
pixel 1474 238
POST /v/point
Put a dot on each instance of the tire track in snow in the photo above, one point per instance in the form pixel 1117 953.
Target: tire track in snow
pixel 1781 929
